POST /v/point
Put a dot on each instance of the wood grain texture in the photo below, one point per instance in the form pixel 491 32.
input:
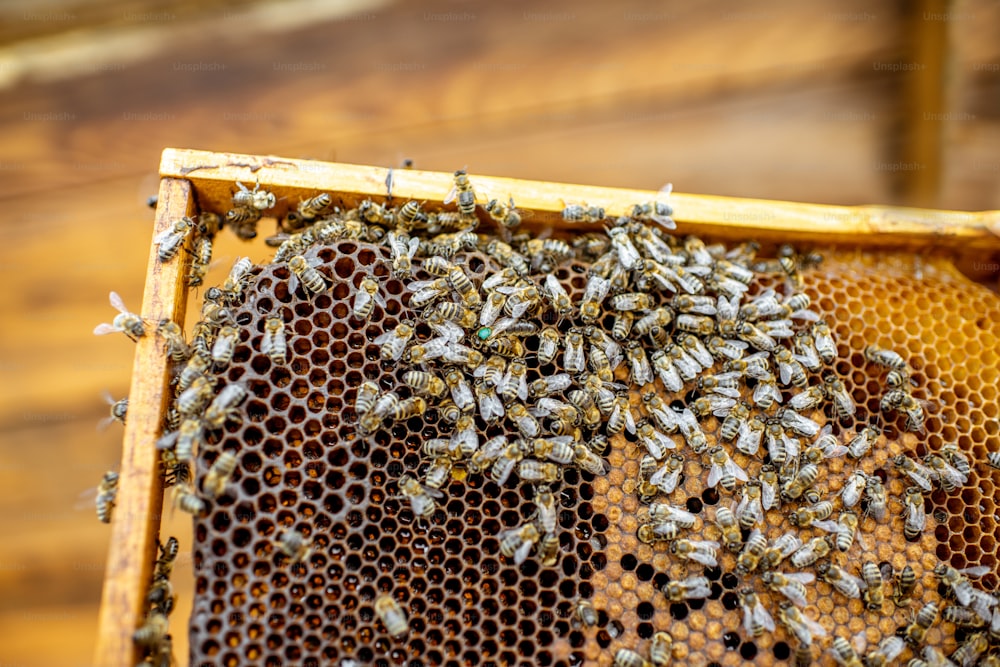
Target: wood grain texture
pixel 136 522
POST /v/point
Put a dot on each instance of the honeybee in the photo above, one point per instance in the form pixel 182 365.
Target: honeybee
pixel 173 340
pixel 188 501
pixel 913 512
pixel 692 588
pixel 421 497
pixel 789 584
pixel 658 531
pixel 750 511
pixel 223 406
pixel 225 345
pixel 749 559
pixel 776 553
pixel 171 240
pixel 956 458
pixel 585 613
pixel 256 198
pixel 905 583
pixel 862 443
pixel 823 341
pixel 726 521
pixel 853 488
pixel 845 530
pixel 916 632
pixel 218 475
pixel 808 516
pixel 366 298
pixel 667 476
pixel 885 358
pixel 661 650
pixel 517 543
pixel 949 477
pixel 365 398
pixel 537 472
pixel 903 401
pixel 184 441
pixel 837 577
pixel 626 657
pixel 874 596
pixel 582 213
pixel 969 651
pixel 726 384
pixel 588 460
pixel 630 301
pixel 194 398
pixel 958 583
pixel 425 383
pixel 811 551
pixel 751 431
pixel 392 615
pixel 876 498
pixel 593 296
pixel 118 410
pixel 394 341
pixel 844 653
pixel 797 485
pixel 700 551
pixel 808 398
pixel 769 494
pixel 303 270
pixel 107 492
pixel 126 322
pixel 724 470
pixel 799 625
pixel 294 545
pixel 153 631
pixel 756 618
pixel 403 249
pixel 653 440
pixel 842 401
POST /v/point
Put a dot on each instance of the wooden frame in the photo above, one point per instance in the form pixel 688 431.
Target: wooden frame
pixel 199 180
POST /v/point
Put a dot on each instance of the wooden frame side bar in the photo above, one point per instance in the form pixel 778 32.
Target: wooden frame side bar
pixel 214 174
pixel 136 519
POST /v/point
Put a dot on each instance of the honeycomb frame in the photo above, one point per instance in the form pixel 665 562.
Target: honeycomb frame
pixel 162 301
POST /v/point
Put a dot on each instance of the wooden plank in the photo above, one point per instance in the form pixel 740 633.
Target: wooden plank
pixel 136 520
pixel 214 174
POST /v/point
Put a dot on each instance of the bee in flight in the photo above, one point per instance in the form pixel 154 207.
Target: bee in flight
pixel 126 322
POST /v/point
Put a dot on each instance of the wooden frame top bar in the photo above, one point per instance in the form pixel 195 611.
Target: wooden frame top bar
pixel 213 176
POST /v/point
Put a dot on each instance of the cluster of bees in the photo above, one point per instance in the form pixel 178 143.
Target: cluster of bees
pixel 655 307
pixel 153 637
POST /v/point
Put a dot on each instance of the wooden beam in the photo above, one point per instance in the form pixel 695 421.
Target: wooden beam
pixel 213 176
pixel 136 520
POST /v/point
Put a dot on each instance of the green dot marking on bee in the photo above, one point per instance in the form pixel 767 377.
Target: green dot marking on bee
pixel 484 333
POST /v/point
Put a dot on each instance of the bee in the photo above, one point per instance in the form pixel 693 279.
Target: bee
pixel 811 551
pixel 862 443
pixel 724 349
pixel 225 345
pixel 916 632
pixel 304 270
pixel 425 383
pixel 655 211
pixel 749 559
pixel 776 553
pixel 184 440
pixel 168 554
pixel 667 476
pixel 558 449
pixel 756 618
pixel 507 257
pixel 410 407
pixel 731 537
pixel 186 500
pixel 695 324
pixel 700 551
pixel 173 340
pixel 956 458
pixel 903 401
pixel 790 370
pixel 466 196
pixel 195 368
pixel 421 497
pixel 256 199
pixel 582 213
pixel 118 410
pixel 726 384
pixel 504 214
pixel 630 301
pixel 692 588
pixel 593 296
pixel 808 398
pixel 548 345
pixel 949 477
pixel 842 401
pixel 799 625
pixel 153 631
pixel 845 530
pixel 713 404
pixel 403 249
pixel 797 485
pixel 365 399
pixel 295 546
pixel 958 583
pixel 969 651
pixel 845 654
pixel 588 460
pixel 626 657
pixel 218 475
pixel 751 431
pixel 171 240
pixel 537 472
pixel 642 373
pixel 194 398
pixel 658 531
pixel 837 577
pixel 107 493
pixel 395 340
pixel 437 474
pixel 905 583
pixel 223 406
pixel 366 298
pixel 876 498
pixel 874 596
pixel 128 323
pixel 585 613
pixel 796 422
pixel 392 615
pixel 885 358
pixel 914 516
pixel 517 543
pixel 750 511
pixel 853 488
pixel 791 584
pixel 807 516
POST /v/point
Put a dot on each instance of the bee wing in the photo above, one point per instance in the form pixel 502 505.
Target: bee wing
pixel 828 526
pixel 736 471
pixel 763 617
pixel 726 391
pixel 168 440
pixel 767 496
pixel 412 246
pixel 714 475
pixel 801 577
pixel 814 627
pixel 105 328
pixel 723 406
pixel 629 421
pixel 385 337
pixel 522 552
pixel 705 558
pixel 794 595
pixel 977 571
pixel 450 197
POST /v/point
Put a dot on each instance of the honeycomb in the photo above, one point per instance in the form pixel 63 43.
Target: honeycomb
pixel 301 466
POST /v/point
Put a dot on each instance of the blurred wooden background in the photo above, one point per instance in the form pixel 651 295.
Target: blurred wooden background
pixel 826 101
